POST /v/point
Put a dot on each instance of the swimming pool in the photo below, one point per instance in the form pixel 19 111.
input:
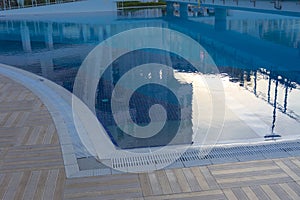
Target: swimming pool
pixel 257 55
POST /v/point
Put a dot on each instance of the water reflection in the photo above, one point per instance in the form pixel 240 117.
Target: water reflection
pixel 257 59
pixel 141 13
pixel 283 31
pixel 179 111
pixel 271 88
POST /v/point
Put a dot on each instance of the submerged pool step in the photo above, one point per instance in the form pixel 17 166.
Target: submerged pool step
pixel 205 156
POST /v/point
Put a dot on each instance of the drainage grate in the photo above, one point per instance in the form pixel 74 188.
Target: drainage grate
pixel 199 156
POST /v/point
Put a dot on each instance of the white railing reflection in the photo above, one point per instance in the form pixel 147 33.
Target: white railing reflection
pixel 17 4
pixel 275 5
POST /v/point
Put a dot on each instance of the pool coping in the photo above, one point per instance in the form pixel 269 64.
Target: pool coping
pixel 56 100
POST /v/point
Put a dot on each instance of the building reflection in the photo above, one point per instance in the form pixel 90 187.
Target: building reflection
pixel 269 29
pixel 56 51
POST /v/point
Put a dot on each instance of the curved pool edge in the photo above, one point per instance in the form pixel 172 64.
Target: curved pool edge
pixel 58 102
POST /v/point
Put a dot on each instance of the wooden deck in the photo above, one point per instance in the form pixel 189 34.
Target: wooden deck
pixel 31 166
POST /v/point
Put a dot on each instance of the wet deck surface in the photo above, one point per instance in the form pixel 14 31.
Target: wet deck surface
pixel 32 167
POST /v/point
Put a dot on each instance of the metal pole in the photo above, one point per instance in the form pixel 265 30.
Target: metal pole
pixel 275 106
pixel 286 96
pixel 269 88
pixel 255 83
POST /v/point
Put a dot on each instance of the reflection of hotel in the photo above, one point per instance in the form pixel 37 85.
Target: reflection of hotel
pixel 265 29
pixel 54 50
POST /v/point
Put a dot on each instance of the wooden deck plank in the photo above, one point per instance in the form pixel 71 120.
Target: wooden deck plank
pixel 33 159
pixel 4 184
pixel 156 188
pixel 253 173
pixel 287 170
pixel 41 166
pixel 193 183
pixel 50 184
pixel 210 194
pixel 34 135
pixel 11 119
pixel 200 178
pixel 229 194
pixel 49 133
pixel 239 193
pixel 145 184
pixel 250 194
pixel 295 187
pixel 182 180
pixel 127 196
pixel 289 191
pixel 296 162
pixel 21 189
pixel 163 181
pixel 100 180
pixel 16 106
pixel 209 178
pixel 41 185
pixel 240 165
pixel 271 194
pixel 280 192
pixel 54 138
pixel 13 186
pixel 19 118
pixel 244 170
pixel 251 178
pixel 102 187
pixel 26 136
pixel 5 118
pixel 31 185
pixel 173 181
pixel 2 117
pixel 60 184
pixel 125 192
pixel 41 136
pixel 259 192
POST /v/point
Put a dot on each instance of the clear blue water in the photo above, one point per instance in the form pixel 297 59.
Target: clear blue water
pixel 258 57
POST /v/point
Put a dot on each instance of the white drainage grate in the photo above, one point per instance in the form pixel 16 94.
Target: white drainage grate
pixel 197 156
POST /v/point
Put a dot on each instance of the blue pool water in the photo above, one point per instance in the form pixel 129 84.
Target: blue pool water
pixel 257 55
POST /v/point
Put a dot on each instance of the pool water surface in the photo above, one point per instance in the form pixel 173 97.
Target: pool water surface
pixel 257 57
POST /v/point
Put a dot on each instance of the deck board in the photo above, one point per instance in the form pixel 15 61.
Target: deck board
pixel 173 181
